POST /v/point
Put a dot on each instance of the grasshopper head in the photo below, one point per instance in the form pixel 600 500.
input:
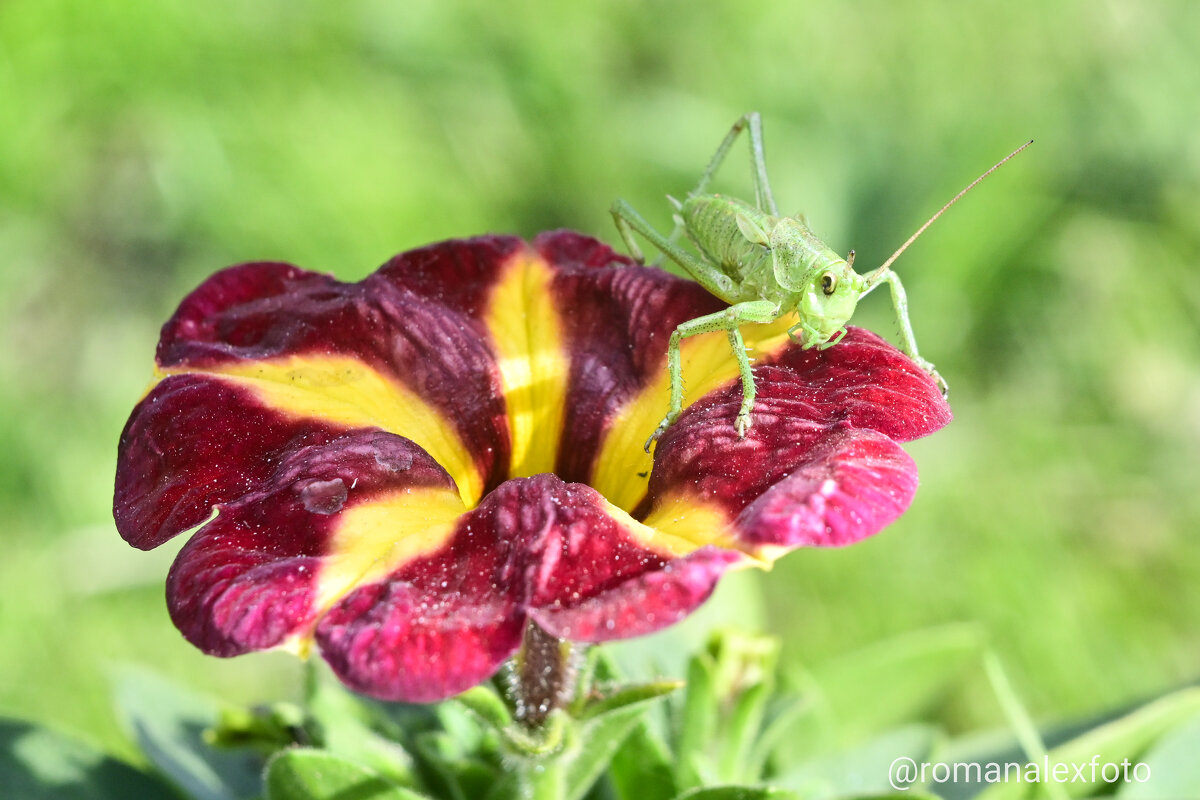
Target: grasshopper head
pixel 827 302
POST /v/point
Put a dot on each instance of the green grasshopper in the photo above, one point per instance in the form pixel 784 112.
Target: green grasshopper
pixel 766 266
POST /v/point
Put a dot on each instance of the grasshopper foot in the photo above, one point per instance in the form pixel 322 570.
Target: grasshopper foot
pixel 931 370
pixel 667 422
pixel 742 423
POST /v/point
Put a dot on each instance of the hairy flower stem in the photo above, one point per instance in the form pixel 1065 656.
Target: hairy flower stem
pixel 543 676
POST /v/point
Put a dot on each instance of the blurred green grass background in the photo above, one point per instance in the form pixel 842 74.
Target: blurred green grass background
pixel 145 144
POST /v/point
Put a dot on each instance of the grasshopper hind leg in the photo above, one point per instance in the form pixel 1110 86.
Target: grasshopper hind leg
pixel 752 124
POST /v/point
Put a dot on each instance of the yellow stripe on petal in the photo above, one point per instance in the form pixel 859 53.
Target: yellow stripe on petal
pixel 681 524
pixel 534 367
pixel 707 364
pixel 372 540
pixel 348 392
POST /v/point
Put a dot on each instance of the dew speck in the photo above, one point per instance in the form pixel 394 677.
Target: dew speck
pixel 324 497
pixel 394 462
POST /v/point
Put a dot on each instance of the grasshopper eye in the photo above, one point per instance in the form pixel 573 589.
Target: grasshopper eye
pixel 828 283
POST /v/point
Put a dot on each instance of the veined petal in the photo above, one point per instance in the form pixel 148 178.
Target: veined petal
pixel 346 392
pixel 617 319
pixel 194 443
pixel 527 331
pixel 820 466
pixel 537 548
pixel 644 603
pixel 329 516
pixel 852 485
pixel 379 353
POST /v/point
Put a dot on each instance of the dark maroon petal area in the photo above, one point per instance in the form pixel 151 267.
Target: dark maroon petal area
pixel 245 581
pixel 851 485
pixel 620 319
pixel 643 604
pixel 535 547
pixel 866 382
pixel 193 443
pixel 416 321
pixel 820 465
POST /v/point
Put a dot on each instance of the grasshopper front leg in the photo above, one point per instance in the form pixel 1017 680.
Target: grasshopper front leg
pixel 728 321
pixel 908 342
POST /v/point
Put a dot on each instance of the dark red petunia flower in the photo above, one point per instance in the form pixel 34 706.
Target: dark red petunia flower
pixel 408 470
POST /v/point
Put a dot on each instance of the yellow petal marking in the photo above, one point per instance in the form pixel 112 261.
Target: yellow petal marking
pixel 373 539
pixel 707 364
pixel 534 367
pixel 681 524
pixel 348 392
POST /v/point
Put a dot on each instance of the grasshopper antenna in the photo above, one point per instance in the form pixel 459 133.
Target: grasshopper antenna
pixel 874 276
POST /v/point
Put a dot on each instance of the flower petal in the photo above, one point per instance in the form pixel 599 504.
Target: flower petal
pixel 536 547
pixel 397 641
pixel 643 604
pixel 194 443
pixel 850 486
pixel 616 320
pixel 822 444
pixel 403 354
pixel 330 516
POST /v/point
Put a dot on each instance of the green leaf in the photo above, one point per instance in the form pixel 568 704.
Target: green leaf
pixel 453 768
pixel 486 704
pixel 168 724
pixel 628 695
pixel 892 682
pixel 1125 738
pixel 505 787
pixel 860 771
pixel 37 763
pixel 738 793
pixel 264 728
pixel 784 714
pixel 348 727
pixel 741 732
pixel 741 660
pixel 1171 764
pixel 599 739
pixel 698 721
pixel 642 768
pixel 304 774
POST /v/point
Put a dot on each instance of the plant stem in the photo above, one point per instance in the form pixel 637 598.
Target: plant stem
pixel 544 676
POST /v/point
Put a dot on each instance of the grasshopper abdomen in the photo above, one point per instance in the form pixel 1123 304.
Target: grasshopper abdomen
pixel 710 221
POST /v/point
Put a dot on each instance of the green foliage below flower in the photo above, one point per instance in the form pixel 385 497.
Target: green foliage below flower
pixel 739 730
